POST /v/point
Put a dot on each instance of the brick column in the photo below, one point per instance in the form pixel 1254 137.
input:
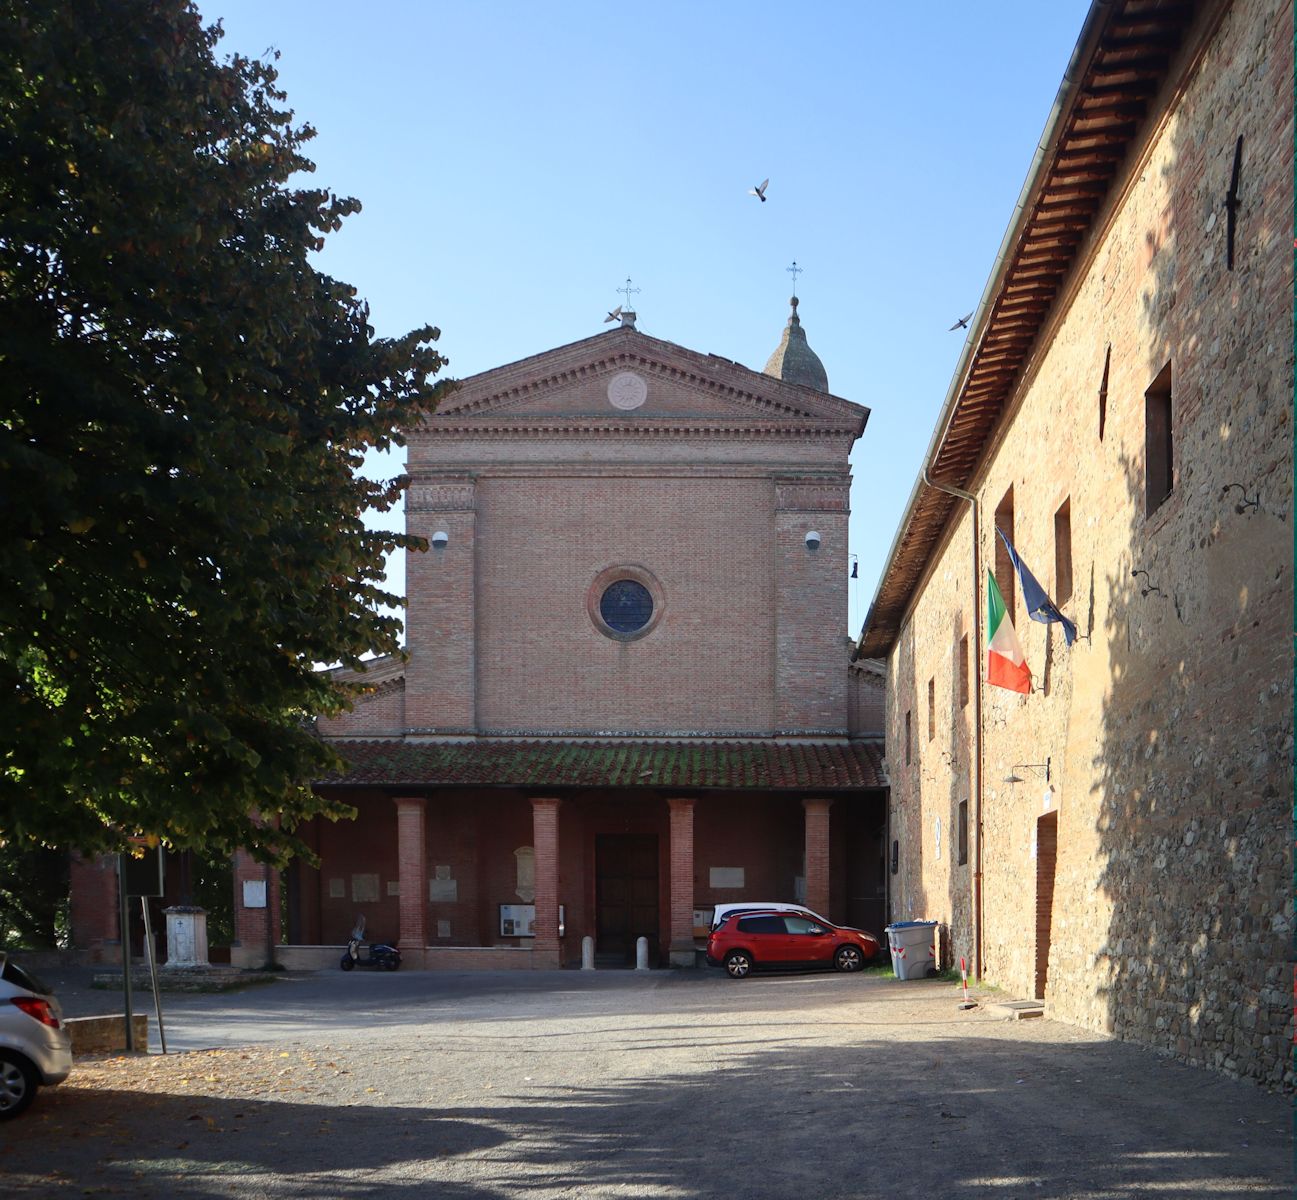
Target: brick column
pixel 545 948
pixel 94 908
pixel 817 855
pixel 256 930
pixel 682 884
pixel 412 872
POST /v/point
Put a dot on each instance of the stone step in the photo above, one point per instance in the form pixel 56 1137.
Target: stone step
pixel 1017 1010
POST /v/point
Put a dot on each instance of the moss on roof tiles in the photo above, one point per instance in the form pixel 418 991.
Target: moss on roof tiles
pixel 685 765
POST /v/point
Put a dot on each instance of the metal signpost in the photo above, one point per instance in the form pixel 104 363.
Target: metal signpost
pixel 143 877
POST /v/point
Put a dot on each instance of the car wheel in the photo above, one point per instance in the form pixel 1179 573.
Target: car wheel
pixel 347 963
pixel 17 1085
pixel 738 964
pixel 391 962
pixel 848 958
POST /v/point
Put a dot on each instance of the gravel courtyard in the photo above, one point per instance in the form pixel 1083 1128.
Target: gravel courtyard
pixel 617 1084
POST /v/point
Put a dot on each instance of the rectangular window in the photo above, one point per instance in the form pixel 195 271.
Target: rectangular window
pixel 963 671
pixel 1159 459
pixel 1063 553
pixel 961 832
pixel 932 709
pixel 1004 573
pixel 907 737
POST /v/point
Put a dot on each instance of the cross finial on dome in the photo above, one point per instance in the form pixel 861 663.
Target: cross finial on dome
pixel 794 271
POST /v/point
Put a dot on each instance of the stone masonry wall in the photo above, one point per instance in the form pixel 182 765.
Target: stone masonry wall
pixel 1168 726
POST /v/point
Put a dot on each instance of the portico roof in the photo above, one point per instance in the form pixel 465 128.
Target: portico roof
pixel 821 768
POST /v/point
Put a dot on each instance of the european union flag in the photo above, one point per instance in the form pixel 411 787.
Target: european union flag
pixel 1039 606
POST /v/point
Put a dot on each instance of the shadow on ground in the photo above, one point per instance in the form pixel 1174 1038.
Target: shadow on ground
pixel 963 1117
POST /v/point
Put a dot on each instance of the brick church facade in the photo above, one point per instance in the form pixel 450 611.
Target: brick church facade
pixel 627 694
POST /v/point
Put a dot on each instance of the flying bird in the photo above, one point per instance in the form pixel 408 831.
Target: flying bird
pixel 612 316
pixel 760 190
pixel 962 323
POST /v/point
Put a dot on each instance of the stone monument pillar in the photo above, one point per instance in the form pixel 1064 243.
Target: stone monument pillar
pixel 186 936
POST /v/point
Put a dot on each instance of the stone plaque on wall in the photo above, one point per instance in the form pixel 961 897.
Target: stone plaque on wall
pixel 443 929
pixel 727 877
pixel 525 863
pixel 393 887
pixel 364 888
pixel 442 889
pixel 337 889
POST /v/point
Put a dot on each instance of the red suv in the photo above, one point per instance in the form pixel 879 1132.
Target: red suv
pixel 745 940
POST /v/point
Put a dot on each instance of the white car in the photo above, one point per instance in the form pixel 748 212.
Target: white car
pixel 723 911
pixel 35 1047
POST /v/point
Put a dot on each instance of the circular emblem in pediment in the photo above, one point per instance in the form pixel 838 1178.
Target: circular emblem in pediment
pixel 626 390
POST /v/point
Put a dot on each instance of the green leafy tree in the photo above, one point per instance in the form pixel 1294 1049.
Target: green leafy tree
pixel 33 895
pixel 184 403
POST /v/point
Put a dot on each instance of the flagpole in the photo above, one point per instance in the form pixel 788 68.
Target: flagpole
pixel 975 763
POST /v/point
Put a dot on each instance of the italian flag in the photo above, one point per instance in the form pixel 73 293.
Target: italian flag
pixel 1005 666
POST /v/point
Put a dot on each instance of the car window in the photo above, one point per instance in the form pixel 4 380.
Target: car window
pixel 761 925
pixel 802 925
pixel 11 972
pixel 720 917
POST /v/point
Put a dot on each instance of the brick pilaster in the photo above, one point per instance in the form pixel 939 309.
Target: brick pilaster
pixel 682 883
pixel 412 871
pixel 546 951
pixel 256 930
pixel 817 855
pixel 94 908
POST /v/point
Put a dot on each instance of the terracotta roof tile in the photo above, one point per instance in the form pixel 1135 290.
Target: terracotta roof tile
pixel 552 763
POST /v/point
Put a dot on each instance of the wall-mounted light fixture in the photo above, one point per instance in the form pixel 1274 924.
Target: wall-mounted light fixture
pixel 812 539
pixel 1149 588
pixel 1038 768
pixel 855 566
pixel 1244 502
pixel 440 539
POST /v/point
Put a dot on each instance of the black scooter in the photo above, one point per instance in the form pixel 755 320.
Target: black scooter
pixel 375 954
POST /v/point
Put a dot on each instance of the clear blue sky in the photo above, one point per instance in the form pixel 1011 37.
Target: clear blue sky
pixel 516 162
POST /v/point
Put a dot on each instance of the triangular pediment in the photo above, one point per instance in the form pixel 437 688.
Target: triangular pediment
pixel 627 376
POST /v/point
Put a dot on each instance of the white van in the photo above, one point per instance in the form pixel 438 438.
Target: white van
pixel 723 911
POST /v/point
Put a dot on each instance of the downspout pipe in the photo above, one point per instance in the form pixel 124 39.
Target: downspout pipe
pixel 975 758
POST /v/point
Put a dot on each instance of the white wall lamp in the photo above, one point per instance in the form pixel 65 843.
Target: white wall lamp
pixel 812 540
pixel 440 539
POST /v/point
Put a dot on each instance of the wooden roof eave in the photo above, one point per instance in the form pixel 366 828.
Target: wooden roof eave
pixel 1109 81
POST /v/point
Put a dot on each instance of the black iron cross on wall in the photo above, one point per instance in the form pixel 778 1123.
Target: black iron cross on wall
pixel 1231 204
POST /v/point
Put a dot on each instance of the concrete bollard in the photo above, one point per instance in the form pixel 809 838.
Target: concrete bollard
pixel 587 953
pixel 641 954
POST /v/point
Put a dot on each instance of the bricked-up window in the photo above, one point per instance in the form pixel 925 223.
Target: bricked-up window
pixel 932 709
pixel 907 737
pixel 1159 459
pixel 1004 575
pixel 963 671
pixel 1063 553
pixel 961 832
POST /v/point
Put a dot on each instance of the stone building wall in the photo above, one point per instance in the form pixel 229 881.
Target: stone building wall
pixel 1167 728
pixel 866 699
